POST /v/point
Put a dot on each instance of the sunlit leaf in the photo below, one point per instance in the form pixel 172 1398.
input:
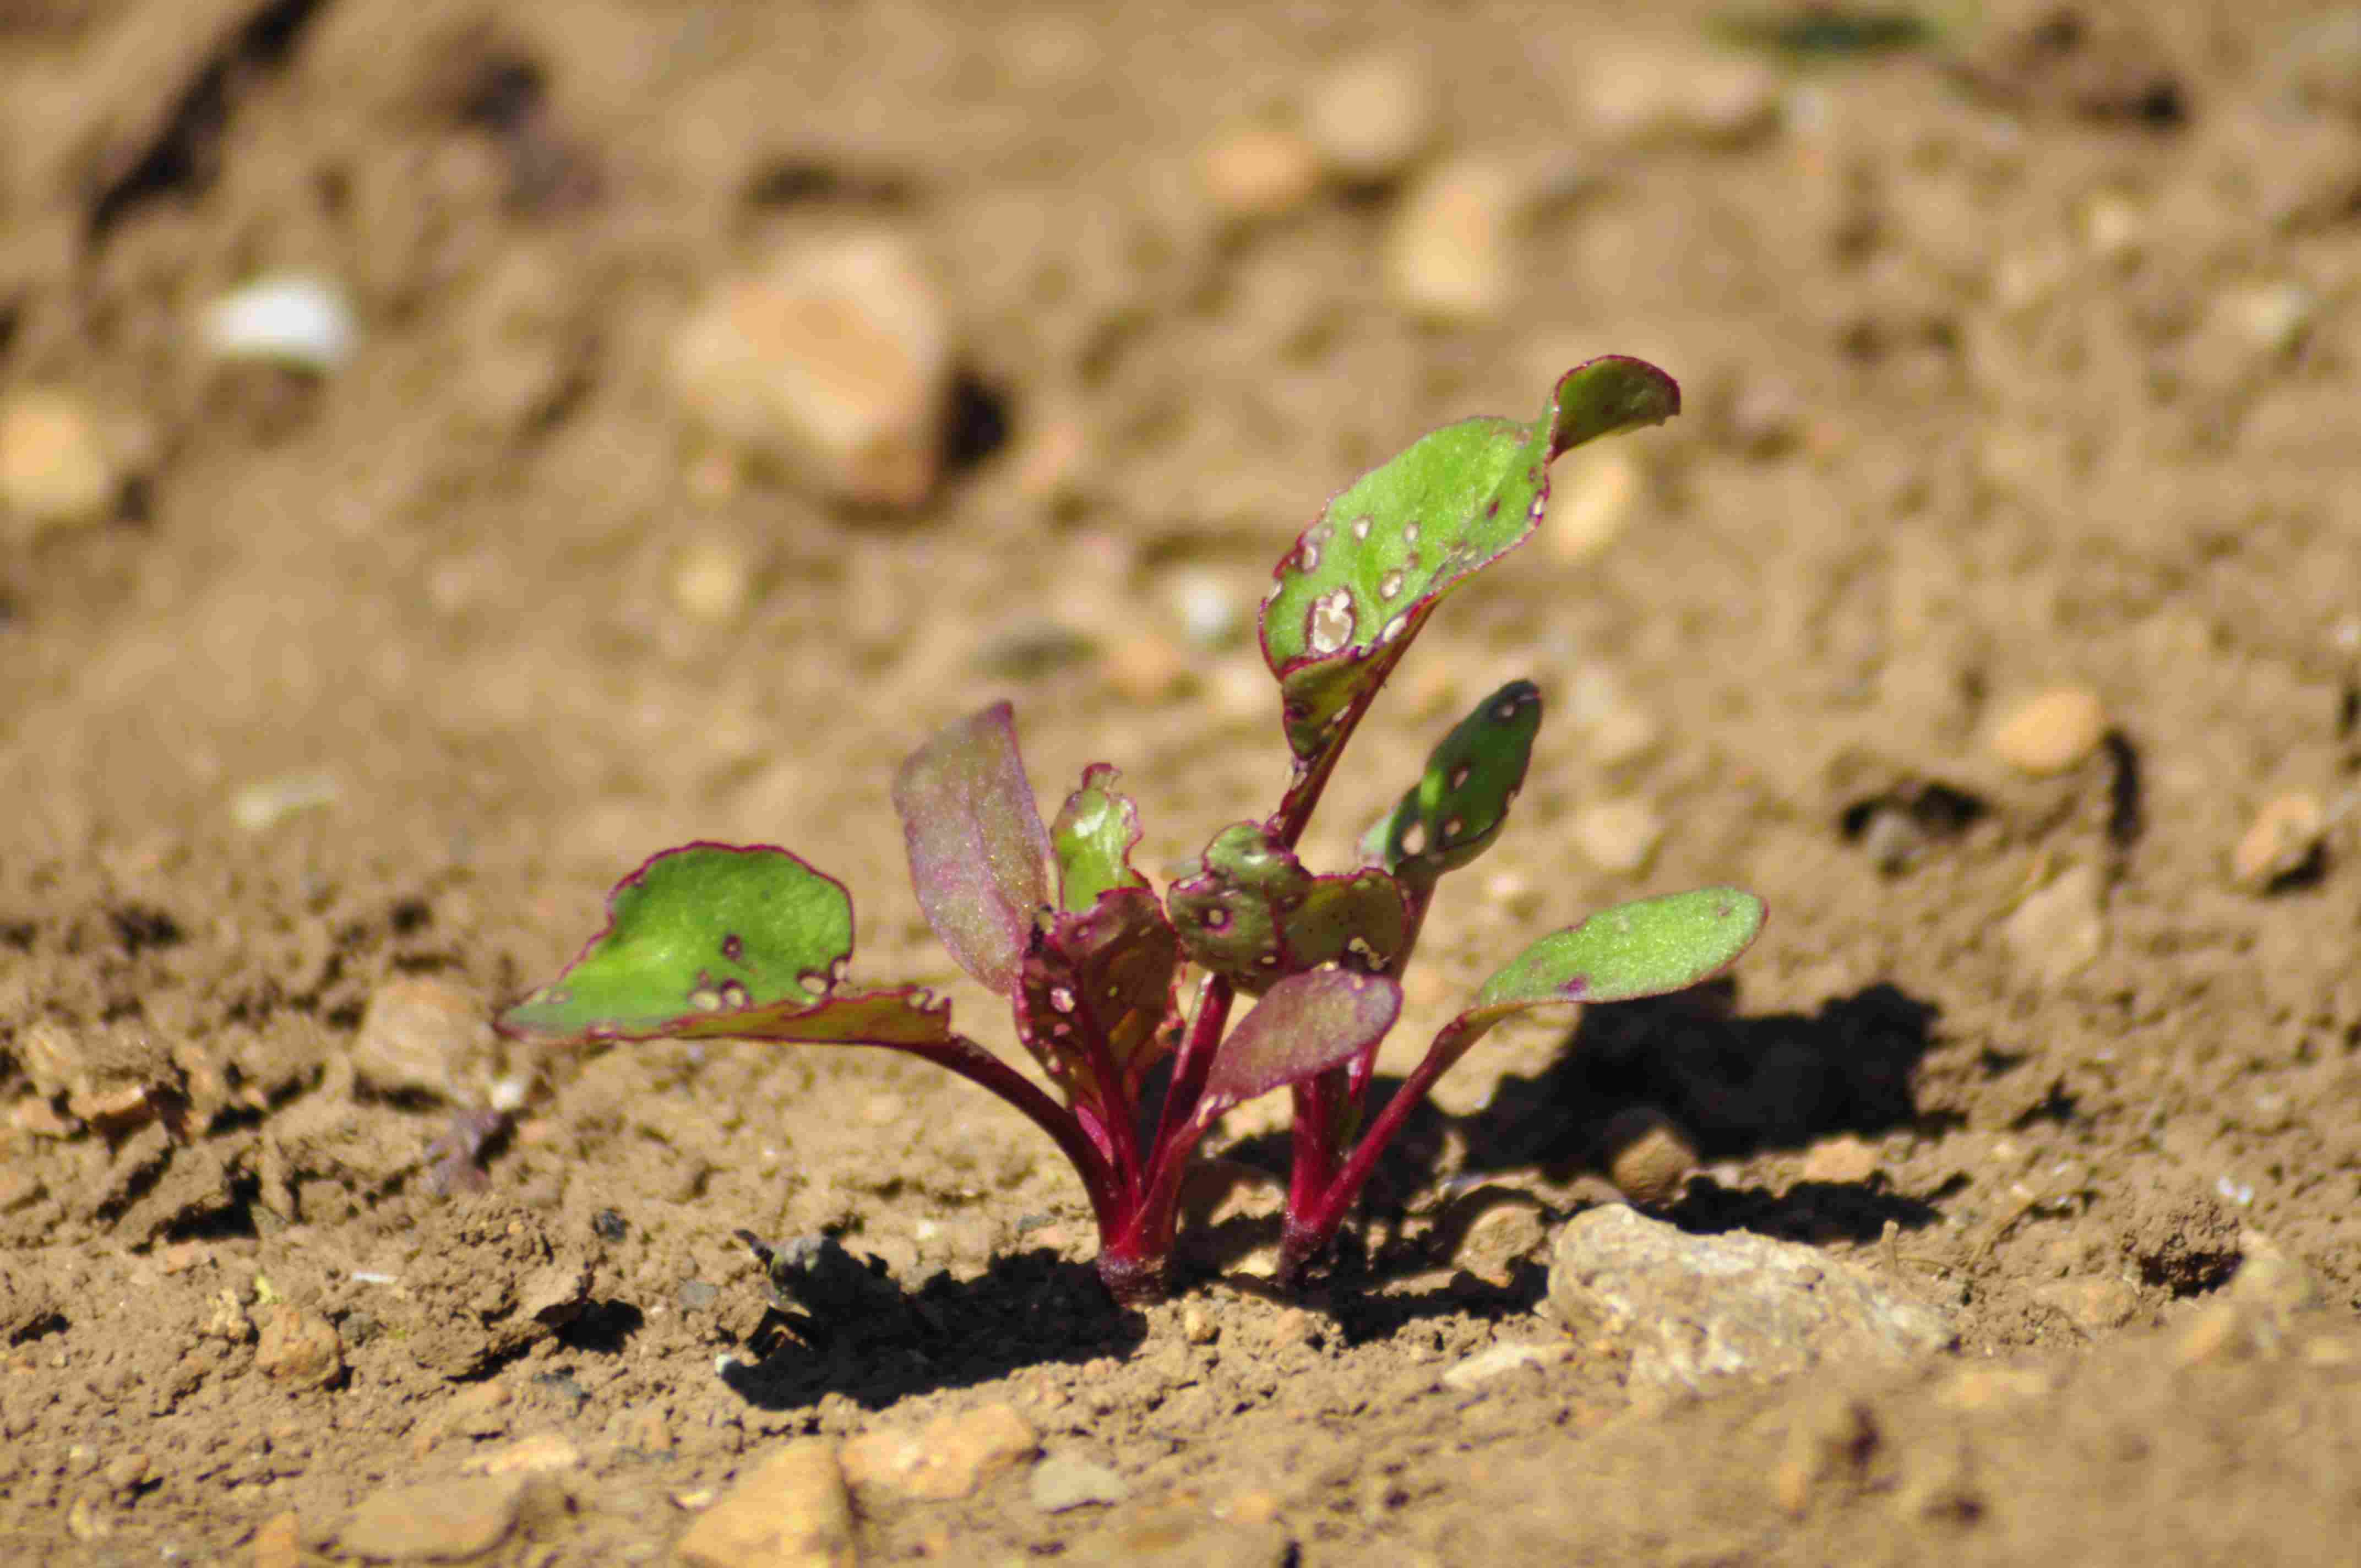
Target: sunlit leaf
pixel 1455 810
pixel 979 855
pixel 1307 1024
pixel 1093 835
pixel 1252 912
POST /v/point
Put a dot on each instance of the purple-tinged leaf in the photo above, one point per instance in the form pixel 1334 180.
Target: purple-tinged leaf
pixel 1252 912
pixel 702 929
pixel 1095 834
pixel 1308 1023
pixel 979 855
pixel 1347 601
pixel 1103 978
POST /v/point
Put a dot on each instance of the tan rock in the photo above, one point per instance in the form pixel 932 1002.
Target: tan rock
pixel 542 1451
pixel 1594 497
pixel 2061 930
pixel 1617 834
pixel 831 363
pixel 2280 841
pixel 280 1542
pixel 712 581
pixel 1647 1156
pixel 2051 732
pixel 417 1036
pixel 1844 1158
pixel 299 1347
pixel 1500 1229
pixel 448 1522
pixel 2093 1304
pixel 791 1511
pixel 1259 171
pixel 1449 251
pixel 949 1457
pixel 56 467
pixel 1371 116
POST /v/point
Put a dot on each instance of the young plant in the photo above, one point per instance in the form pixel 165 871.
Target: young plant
pixel 711 941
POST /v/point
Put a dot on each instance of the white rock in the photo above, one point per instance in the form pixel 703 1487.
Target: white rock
pixel 262 805
pixel 1449 251
pixel 1061 1482
pixel 1371 116
pixel 1486 1366
pixel 294 319
pixel 831 363
pixel 1690 1307
pixel 1207 609
pixel 55 468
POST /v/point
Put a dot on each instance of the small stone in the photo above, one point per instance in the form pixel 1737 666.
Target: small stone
pixel 2091 1304
pixel 478 1410
pixel 2272 319
pixel 2182 1239
pixel 55 468
pixel 712 582
pixel 1989 1387
pixel 225 1320
pixel 417 1036
pixel 2218 1333
pixel 1144 669
pixel 2115 227
pixel 542 1451
pixel 2052 732
pixel 2061 930
pixel 950 1457
pixel 1371 116
pixel 1449 248
pixel 292 319
pixel 1646 96
pixel 279 1543
pixel 126 1471
pixel 1061 1482
pixel 1832 1440
pixel 1197 1325
pixel 833 364
pixel 1845 1158
pixel 1207 610
pixel 1594 497
pixel 2282 839
pixel 266 802
pixel 1647 1156
pixel 1617 834
pixel 791 1511
pixel 299 1348
pixel 448 1522
pixel 1259 171
pixel 1690 1307
pixel 1500 1229
pixel 1489 1365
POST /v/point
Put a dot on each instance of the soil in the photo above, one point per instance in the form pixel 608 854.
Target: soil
pixel 2019 359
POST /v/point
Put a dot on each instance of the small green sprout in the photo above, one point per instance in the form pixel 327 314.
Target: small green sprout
pixel 1105 980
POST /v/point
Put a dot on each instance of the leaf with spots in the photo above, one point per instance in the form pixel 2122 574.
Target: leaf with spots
pixel 1093 835
pixel 979 855
pixel 1252 912
pixel 1455 810
pixel 1308 1023
pixel 1100 979
pixel 1361 581
pixel 714 941
pixel 1647 947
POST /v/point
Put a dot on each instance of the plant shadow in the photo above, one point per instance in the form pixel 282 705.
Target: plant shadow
pixel 1026 1310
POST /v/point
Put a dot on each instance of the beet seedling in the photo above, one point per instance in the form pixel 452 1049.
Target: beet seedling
pixel 710 941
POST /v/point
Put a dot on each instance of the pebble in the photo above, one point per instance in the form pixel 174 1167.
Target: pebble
pixel 1502 1229
pixel 2271 319
pixel 2061 930
pixel 478 1411
pixel 448 1522
pixel 1688 1308
pixel 1197 1325
pixel 712 582
pixel 1488 1366
pixel 1656 95
pixel 1259 171
pixel 266 802
pixel 292 318
pixel 949 1457
pixel 1590 502
pixel 417 1035
pixel 1061 1482
pixel 791 1511
pixel 1845 1158
pixel 1449 252
pixel 1145 669
pixel 1617 834
pixel 299 1348
pixel 2091 1304
pixel 541 1451
pixel 1372 116
pixel 1615 729
pixel 2279 842
pixel 1648 1157
pixel 2052 732
pixel 832 363
pixel 1832 1441
pixel 55 468
pixel 279 1543
pixel 1206 609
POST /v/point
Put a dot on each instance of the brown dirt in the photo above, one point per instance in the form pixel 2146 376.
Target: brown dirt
pixel 1941 451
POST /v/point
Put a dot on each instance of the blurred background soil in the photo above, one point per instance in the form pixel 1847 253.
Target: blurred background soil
pixel 655 419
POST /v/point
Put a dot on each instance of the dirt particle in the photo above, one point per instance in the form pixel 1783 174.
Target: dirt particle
pixel 2281 844
pixel 1832 1441
pixel 279 1543
pixel 1596 495
pixel 2061 930
pixel 56 470
pixel 1371 116
pixel 1449 251
pixel 299 1348
pixel 447 1521
pixel 949 1457
pixel 2181 1240
pixel 2051 732
pixel 1847 1159
pixel 792 1510
pixel 1647 1156
pixel 1258 172
pixel 420 1036
pixel 1063 1482
pixel 1617 834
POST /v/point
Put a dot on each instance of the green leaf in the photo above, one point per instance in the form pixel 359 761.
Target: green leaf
pixel 1643 948
pixel 979 855
pixel 1252 912
pixel 1455 810
pixel 1104 974
pixel 1093 835
pixel 1309 1024
pixel 710 941
pixel 1360 582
